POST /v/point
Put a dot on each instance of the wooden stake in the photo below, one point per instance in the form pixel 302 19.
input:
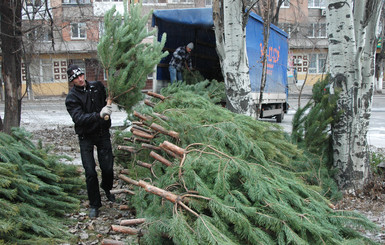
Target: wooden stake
pixel 160 158
pixel 125 229
pixel 159 96
pixel 132 221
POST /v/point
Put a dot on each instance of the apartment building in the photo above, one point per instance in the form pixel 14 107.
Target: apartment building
pixel 63 32
pixel 305 22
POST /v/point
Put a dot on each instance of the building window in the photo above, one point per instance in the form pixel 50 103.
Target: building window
pixel 316 3
pixel 41 71
pixel 76 1
pixel 317 63
pixel 209 3
pixel 46 68
pixel 78 31
pixel 40 34
pixel 35 3
pixel 317 30
pixel 180 1
pixel 285 4
pixel 287 27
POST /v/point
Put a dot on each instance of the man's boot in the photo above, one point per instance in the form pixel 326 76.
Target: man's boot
pixel 110 197
pixel 94 212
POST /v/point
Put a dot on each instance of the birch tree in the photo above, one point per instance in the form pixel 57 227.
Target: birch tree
pixel 230 19
pixel 352 42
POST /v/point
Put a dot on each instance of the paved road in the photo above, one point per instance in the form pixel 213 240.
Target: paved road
pixel 51 113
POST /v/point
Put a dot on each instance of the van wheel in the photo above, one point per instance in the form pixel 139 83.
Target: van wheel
pixel 280 117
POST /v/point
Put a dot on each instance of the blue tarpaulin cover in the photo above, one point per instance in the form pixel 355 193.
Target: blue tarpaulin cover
pixel 196 25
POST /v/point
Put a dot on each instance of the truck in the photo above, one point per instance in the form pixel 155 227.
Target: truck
pixel 196 25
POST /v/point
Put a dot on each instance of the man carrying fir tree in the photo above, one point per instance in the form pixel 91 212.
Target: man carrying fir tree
pixel 180 58
pixel 86 103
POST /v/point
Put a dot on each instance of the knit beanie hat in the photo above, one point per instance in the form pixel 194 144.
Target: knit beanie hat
pixel 73 72
pixel 190 46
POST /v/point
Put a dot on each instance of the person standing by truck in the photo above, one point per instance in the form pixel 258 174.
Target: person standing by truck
pixel 87 106
pixel 180 58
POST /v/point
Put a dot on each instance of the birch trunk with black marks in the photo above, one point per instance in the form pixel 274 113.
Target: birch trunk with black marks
pixel 352 42
pixel 230 31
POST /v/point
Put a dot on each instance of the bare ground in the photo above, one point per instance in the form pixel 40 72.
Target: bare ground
pixel 370 202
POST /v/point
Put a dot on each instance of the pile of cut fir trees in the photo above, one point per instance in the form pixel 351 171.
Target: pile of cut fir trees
pixel 36 191
pixel 204 175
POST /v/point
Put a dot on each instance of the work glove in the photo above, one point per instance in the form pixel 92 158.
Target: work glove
pixel 106 111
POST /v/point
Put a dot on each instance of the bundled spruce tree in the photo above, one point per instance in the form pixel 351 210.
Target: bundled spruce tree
pixel 35 191
pixel 215 177
pixel 128 60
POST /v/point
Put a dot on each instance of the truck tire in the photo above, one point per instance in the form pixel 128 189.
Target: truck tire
pixel 280 117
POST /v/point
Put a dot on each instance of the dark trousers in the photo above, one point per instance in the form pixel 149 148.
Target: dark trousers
pixel 104 150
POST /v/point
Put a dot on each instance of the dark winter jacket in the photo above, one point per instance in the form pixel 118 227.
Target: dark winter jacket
pixel 179 57
pixel 84 105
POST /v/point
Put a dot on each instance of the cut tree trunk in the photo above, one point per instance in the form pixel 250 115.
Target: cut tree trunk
pixel 112 242
pixel 125 229
pixel 155 95
pixel 127 222
pixel 160 158
pixel 178 150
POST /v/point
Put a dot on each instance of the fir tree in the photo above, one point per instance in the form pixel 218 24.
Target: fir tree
pixel 311 127
pixel 235 183
pixel 128 60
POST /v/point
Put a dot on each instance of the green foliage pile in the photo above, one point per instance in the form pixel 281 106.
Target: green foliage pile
pixel 192 77
pixel 213 90
pixel 128 60
pixel 238 176
pixel 35 191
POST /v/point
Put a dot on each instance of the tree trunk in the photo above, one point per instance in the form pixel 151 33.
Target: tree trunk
pixel 352 51
pixel 230 33
pixel 11 62
pixel 266 35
